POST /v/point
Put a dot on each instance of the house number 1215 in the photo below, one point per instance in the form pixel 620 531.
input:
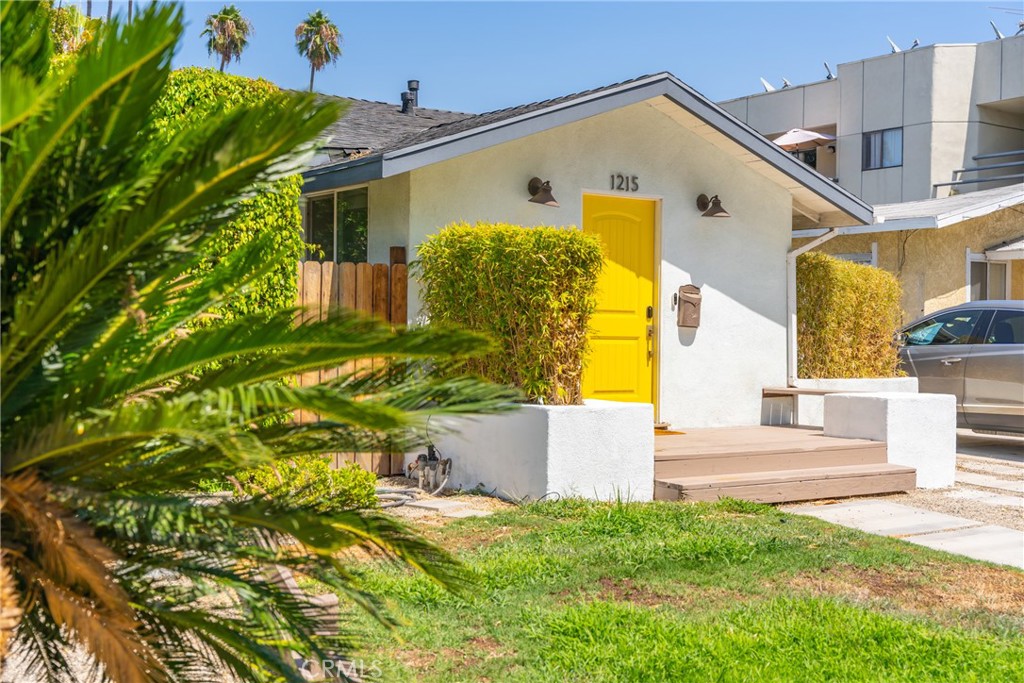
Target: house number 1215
pixel 628 183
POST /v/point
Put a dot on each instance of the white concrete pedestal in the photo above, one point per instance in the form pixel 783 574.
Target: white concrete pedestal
pixel 601 450
pixel 919 429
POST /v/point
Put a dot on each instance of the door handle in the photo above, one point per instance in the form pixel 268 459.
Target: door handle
pixel 951 361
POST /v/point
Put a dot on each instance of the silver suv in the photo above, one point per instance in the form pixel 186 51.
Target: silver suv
pixel 974 351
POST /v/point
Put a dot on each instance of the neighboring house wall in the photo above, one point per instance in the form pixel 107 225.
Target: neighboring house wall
pixel 709 376
pixel 952 102
pixel 932 264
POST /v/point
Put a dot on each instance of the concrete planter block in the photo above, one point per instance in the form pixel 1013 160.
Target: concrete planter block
pixel 600 450
pixel 919 429
pixel 812 408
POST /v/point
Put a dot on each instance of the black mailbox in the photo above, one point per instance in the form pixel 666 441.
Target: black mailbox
pixel 688 311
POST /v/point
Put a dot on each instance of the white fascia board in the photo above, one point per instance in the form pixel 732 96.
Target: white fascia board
pixel 1008 255
pixel 895 225
pixel 977 211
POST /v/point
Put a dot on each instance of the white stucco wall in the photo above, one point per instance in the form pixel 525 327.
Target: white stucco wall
pixel 919 429
pixel 388 218
pixel 811 409
pixel 710 376
pixel 603 450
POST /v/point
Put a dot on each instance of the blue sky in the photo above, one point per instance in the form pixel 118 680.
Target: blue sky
pixel 479 56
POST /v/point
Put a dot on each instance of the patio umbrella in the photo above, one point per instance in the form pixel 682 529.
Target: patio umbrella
pixel 799 139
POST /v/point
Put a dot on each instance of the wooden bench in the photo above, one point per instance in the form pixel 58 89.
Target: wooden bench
pixel 793 393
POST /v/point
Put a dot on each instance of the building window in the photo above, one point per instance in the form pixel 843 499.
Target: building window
pixel 865 258
pixel 809 157
pixel 336 226
pixel 988 280
pixel 883 149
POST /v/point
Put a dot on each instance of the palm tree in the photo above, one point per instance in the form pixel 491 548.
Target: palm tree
pixel 106 423
pixel 228 33
pixel 317 39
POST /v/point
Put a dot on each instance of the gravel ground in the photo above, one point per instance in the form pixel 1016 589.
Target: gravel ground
pixel 1002 466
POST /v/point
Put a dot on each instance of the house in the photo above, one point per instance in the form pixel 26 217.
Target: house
pixel 913 128
pixel 646 164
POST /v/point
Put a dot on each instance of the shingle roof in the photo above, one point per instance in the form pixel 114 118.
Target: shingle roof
pixel 368 126
pixel 469 122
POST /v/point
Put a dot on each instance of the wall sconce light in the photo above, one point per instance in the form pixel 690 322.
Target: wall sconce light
pixel 540 192
pixel 711 208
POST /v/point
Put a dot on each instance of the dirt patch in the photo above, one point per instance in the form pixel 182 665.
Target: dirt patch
pixel 421 660
pixel 469 539
pixel 627 590
pixel 471 653
pixel 934 587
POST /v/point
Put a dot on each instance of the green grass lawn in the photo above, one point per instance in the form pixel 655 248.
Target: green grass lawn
pixel 579 591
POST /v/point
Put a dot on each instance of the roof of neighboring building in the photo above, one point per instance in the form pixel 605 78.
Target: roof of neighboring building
pixel 368 126
pixel 955 208
pixel 934 213
pixel 1010 249
pixel 814 194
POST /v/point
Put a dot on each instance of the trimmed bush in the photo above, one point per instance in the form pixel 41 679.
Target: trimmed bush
pixel 312 480
pixel 847 314
pixel 194 95
pixel 532 290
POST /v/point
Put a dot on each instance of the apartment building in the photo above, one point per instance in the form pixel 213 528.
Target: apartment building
pixel 933 138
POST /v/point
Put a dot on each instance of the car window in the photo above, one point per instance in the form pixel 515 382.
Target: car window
pixel 1007 328
pixel 955 327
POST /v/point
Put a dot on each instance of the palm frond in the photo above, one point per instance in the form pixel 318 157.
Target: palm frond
pixel 69 567
pixel 24 29
pixel 39 645
pixel 119 391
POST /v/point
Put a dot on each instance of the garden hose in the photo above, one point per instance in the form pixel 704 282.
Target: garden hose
pixel 392 498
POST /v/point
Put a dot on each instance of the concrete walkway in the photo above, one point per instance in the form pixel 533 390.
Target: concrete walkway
pixel 958 535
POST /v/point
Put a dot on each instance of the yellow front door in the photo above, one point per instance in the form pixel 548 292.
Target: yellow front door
pixel 622 361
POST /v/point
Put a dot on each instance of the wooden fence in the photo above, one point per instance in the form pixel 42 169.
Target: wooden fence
pixel 376 289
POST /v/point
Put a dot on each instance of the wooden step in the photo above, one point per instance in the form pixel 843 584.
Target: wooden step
pixel 782 486
pixel 853 452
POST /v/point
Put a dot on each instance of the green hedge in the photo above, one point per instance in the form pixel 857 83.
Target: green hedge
pixel 193 95
pixel 847 314
pixel 311 480
pixel 532 290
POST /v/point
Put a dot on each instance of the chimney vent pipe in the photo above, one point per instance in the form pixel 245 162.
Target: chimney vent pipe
pixel 414 88
pixel 408 103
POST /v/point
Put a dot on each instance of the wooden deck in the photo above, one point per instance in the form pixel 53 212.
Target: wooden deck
pixel 772 465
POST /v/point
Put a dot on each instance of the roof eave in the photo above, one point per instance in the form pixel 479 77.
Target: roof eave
pixel 344 173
